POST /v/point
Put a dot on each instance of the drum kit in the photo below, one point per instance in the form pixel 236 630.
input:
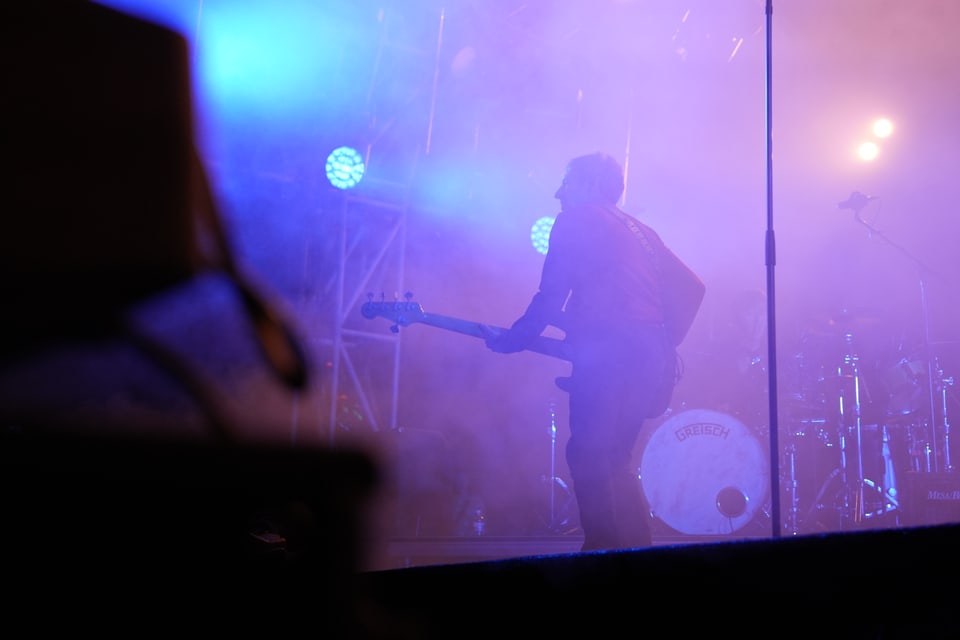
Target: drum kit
pixel 850 432
pixel 856 432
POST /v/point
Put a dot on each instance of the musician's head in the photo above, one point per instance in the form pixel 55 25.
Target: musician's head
pixel 593 178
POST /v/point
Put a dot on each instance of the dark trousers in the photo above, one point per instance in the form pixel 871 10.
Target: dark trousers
pixel 612 389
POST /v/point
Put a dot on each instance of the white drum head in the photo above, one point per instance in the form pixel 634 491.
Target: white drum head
pixel 704 472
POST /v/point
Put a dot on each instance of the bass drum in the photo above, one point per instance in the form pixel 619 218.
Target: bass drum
pixel 704 472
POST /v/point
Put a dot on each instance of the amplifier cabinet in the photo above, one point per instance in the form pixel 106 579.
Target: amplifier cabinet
pixel 931 498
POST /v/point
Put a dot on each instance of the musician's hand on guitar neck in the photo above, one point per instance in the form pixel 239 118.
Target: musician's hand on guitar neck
pixel 489 334
pixel 501 340
pixel 521 336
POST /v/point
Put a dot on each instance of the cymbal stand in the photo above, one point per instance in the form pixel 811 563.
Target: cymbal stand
pixel 850 412
pixel 553 463
pixel 938 463
pixel 557 518
pixel 793 524
pixel 942 384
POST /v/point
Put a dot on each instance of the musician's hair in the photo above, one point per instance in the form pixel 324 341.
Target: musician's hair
pixel 603 174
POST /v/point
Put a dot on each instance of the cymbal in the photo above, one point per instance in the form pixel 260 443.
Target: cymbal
pixel 846 321
pixel 858 315
pixel 934 348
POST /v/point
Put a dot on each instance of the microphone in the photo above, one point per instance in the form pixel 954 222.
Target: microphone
pixel 856 201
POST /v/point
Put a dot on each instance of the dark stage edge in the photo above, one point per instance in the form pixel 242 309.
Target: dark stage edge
pixel 119 538
pixel 900 583
pixel 402 553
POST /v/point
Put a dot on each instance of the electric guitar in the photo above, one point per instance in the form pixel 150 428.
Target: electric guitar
pixel 407 312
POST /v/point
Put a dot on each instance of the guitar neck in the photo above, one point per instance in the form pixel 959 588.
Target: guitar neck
pixel 541 344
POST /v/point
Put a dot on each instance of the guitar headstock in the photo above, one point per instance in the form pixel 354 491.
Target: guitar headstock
pixel 401 312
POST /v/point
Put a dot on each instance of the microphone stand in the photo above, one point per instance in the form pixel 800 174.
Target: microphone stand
pixel 770 260
pixel 941 459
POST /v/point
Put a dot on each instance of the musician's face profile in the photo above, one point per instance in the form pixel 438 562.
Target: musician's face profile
pixel 573 190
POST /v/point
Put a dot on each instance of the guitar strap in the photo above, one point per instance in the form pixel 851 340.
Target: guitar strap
pixel 681 290
pixel 641 235
pixel 638 231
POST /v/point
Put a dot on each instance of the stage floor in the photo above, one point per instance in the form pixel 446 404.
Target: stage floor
pixel 429 551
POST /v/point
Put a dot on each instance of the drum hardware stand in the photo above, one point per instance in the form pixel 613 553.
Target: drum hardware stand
pixel 942 384
pixel 851 491
pixel 891 497
pixel 793 524
pixel 557 518
pixel 817 503
pixel 919 449
pixel 927 455
pixel 794 517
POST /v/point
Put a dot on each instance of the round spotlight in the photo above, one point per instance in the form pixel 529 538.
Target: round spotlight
pixel 868 151
pixel 344 167
pixel 540 234
pixel 882 128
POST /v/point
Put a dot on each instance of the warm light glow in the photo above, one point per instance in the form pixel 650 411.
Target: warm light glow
pixel 868 151
pixel 882 128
